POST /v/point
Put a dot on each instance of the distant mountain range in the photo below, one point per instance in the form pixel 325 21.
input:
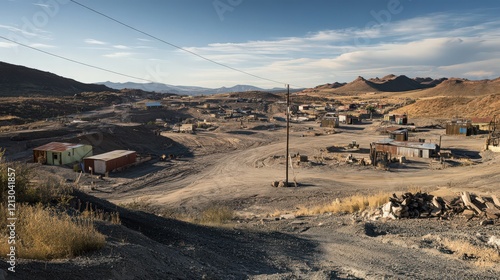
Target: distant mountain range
pixel 184 90
pixel 16 80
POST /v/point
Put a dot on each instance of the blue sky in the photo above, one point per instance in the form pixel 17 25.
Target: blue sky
pixel 303 43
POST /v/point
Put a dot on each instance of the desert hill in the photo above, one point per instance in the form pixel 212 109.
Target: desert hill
pixel 18 80
pixel 457 98
pixel 449 107
pixel 389 83
pixel 463 87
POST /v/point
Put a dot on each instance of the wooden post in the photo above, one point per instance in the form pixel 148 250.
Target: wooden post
pixel 287 128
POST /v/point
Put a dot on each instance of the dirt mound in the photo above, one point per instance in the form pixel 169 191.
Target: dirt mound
pixel 448 107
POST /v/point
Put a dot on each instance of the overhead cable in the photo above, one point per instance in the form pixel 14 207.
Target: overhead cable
pixel 176 46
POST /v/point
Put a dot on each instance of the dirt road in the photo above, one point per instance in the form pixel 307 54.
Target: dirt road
pixel 241 165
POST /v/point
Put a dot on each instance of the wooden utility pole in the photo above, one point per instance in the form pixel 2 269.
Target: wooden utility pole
pixel 287 130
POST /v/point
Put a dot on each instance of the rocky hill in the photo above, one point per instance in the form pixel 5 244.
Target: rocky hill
pixel 462 87
pixel 389 83
pixel 450 107
pixel 18 80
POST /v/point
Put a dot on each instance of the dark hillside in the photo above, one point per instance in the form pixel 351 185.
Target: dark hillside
pixel 18 80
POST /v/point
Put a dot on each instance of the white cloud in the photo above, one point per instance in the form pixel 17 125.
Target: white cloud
pixel 41 46
pixel 7 45
pixel 95 42
pixel 18 30
pixel 121 47
pixel 42 5
pixel 118 54
pixel 424 46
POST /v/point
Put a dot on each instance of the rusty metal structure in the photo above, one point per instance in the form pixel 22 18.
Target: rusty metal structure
pixel 460 127
pixel 493 140
pixel 392 148
pixel 107 162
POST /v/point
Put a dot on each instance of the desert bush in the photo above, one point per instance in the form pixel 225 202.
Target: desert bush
pixel 216 215
pixel 212 215
pixel 350 204
pixel 49 189
pixel 44 233
pixel 94 213
pixel 23 176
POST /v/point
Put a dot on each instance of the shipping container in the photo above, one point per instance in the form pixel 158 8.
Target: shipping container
pixel 107 162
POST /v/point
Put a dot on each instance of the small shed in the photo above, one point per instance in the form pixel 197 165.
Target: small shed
pixel 390 117
pixel 330 120
pixel 399 134
pixel 401 119
pixel 57 153
pixel 107 162
pixel 348 119
pixel 460 127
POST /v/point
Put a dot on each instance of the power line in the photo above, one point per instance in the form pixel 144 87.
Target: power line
pixel 78 62
pixel 176 46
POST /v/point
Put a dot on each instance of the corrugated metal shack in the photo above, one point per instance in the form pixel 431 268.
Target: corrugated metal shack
pixel 57 153
pixel 404 148
pixel 349 119
pixel 460 127
pixel 330 120
pixel 107 162
pixel 399 134
pixel 398 119
pixel 390 117
pixel 401 119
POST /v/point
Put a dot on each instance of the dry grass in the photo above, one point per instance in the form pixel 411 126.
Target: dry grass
pixel 485 256
pixel 350 204
pixel 93 213
pixel 139 204
pixel 215 215
pixel 211 215
pixel 42 233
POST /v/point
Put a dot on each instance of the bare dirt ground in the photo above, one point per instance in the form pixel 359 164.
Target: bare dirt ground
pixel 234 166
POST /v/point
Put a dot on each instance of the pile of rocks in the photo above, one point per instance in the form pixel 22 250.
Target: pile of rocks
pixel 423 205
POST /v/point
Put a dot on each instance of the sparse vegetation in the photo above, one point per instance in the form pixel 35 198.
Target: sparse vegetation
pixel 44 233
pixel 43 229
pixel 350 204
pixel 484 256
pixel 215 215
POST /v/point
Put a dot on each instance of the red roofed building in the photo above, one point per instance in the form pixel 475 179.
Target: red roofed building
pixel 57 153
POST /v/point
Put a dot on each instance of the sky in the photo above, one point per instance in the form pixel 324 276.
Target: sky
pixel 265 43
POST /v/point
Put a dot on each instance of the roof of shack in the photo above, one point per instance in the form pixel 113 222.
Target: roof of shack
pixel 58 147
pixel 111 155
